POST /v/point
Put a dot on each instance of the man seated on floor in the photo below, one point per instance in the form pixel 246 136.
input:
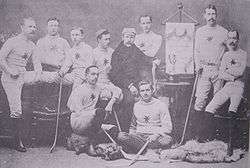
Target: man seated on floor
pixel 151 122
pixel 232 70
pixel 86 119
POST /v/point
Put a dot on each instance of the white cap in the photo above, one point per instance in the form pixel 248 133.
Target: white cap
pixel 129 30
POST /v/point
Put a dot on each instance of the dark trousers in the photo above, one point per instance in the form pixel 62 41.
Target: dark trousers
pixel 125 110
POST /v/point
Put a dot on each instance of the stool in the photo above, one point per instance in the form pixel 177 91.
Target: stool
pixel 42 112
pixel 45 123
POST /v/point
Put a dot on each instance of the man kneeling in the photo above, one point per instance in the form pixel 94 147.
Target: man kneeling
pixel 87 118
pixel 151 122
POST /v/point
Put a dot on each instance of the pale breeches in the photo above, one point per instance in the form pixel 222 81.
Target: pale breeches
pixel 206 82
pixel 232 91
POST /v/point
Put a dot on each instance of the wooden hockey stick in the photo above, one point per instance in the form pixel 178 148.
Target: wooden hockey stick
pixel 139 153
pixel 57 116
pixel 117 121
pixel 189 110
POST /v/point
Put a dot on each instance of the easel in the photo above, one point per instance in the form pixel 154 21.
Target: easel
pixel 181 12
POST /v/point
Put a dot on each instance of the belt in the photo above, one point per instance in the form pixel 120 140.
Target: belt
pixel 50 68
pixel 208 63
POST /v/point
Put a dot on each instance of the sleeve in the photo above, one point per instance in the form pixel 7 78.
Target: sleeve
pixel 115 69
pixel 237 71
pixel 68 62
pixel 166 123
pixel 197 55
pixel 222 70
pixel 4 52
pixel 133 124
pixel 66 46
pixel 153 49
pixel 36 60
pixel 76 100
pixel 40 51
pixel 116 91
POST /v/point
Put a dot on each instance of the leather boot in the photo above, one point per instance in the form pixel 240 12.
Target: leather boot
pixel 17 125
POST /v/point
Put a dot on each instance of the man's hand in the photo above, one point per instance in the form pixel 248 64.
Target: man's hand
pixel 133 90
pixel 109 107
pixel 61 73
pixel 157 62
pixel 14 74
pixel 153 137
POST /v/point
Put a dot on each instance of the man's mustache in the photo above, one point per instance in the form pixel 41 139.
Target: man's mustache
pixel 232 44
pixel 211 19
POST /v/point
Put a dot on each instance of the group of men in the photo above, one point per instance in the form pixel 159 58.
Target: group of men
pixel 116 77
pixel 220 66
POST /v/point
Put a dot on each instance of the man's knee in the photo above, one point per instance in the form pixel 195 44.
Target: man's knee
pixel 123 136
pixel 165 140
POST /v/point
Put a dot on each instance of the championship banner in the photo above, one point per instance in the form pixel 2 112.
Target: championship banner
pixel 179 48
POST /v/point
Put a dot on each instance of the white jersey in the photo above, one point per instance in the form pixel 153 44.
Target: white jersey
pixel 102 59
pixel 233 65
pixel 152 117
pixel 52 50
pixel 80 56
pixel 148 43
pixel 209 46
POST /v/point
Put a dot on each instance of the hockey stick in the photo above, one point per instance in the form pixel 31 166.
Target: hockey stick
pixel 117 121
pixel 189 110
pixel 132 157
pixel 57 116
pixel 139 153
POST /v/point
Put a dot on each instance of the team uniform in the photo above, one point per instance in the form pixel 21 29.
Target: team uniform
pixel 17 51
pixel 149 44
pixel 52 52
pixel 209 49
pixel 102 59
pixel 79 57
pixel 148 118
pixel 231 71
pixel 86 119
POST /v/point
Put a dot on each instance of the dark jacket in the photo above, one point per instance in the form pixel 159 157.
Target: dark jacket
pixel 126 65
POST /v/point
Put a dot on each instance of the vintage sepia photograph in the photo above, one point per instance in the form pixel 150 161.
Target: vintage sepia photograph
pixel 124 83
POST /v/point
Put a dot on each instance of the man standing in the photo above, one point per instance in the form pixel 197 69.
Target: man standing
pixel 232 69
pixel 209 48
pixel 127 63
pixel 52 48
pixel 80 56
pixel 151 122
pixel 86 119
pixel 148 41
pixel 102 55
pixel 14 56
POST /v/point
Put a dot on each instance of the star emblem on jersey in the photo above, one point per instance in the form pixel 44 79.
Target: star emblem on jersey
pixel 53 47
pixel 105 62
pixel 146 118
pixel 233 62
pixel 77 55
pixel 92 97
pixel 25 56
pixel 209 38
